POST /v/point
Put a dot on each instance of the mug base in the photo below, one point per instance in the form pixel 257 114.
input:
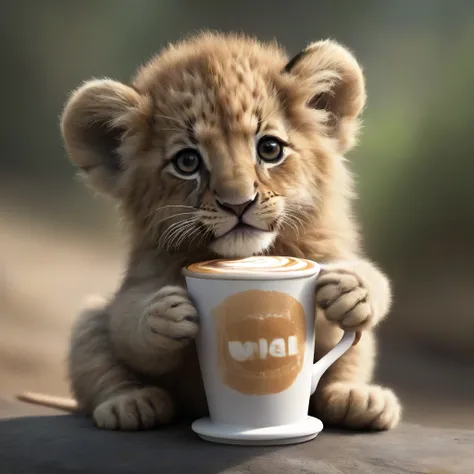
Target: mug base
pixel 271 436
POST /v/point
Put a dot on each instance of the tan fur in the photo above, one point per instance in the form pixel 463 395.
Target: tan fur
pixel 131 362
pixel 61 403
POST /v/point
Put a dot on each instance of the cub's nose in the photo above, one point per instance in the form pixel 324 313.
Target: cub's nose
pixel 237 209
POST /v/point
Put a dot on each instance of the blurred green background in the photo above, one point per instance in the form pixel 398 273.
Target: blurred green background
pixel 414 169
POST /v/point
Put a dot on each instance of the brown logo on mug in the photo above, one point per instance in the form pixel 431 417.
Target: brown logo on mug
pixel 261 341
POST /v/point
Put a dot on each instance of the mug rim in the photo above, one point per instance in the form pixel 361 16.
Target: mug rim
pixel 260 276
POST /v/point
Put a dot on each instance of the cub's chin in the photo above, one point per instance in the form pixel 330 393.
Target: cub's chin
pixel 243 243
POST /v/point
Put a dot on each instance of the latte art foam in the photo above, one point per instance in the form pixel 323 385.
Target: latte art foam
pixel 253 265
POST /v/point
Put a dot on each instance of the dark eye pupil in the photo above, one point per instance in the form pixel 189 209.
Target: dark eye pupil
pixel 270 149
pixel 187 162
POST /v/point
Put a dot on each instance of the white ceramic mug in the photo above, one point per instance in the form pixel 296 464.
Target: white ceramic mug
pixel 256 348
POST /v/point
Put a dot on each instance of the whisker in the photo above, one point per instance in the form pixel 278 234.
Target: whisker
pixel 208 230
pixel 176 215
pixel 185 233
pixel 158 209
pixel 304 214
pixel 194 233
pixel 177 226
pixel 179 232
pixel 170 242
pixel 286 219
pixel 295 219
pixel 203 232
pixel 175 205
pixel 171 206
pixel 299 208
pixel 292 221
pixel 169 233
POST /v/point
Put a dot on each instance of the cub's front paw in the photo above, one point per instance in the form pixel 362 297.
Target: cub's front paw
pixel 137 409
pixel 170 319
pixel 343 297
pixel 358 406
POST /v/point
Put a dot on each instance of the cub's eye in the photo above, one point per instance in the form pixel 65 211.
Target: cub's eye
pixel 270 149
pixel 187 162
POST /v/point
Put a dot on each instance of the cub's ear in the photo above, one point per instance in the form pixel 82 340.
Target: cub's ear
pixel 97 120
pixel 331 80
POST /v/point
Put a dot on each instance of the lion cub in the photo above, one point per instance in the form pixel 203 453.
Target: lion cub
pixel 222 146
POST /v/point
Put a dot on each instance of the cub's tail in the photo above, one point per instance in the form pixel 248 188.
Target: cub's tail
pixel 51 401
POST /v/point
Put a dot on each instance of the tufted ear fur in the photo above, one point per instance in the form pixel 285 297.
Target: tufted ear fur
pixel 330 80
pixel 97 120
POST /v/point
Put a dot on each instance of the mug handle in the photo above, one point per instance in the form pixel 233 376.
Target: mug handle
pixel 348 340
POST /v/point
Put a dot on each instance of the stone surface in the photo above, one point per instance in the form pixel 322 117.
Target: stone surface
pixel 31 442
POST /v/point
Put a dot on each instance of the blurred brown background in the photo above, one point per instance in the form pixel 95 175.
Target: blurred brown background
pixel 414 167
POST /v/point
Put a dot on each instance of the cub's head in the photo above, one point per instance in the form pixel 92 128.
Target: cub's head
pixel 220 141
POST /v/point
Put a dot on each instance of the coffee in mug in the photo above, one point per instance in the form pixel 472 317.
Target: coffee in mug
pixel 256 348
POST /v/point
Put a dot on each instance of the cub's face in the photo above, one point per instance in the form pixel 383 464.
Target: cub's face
pixel 227 154
pixel 221 142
